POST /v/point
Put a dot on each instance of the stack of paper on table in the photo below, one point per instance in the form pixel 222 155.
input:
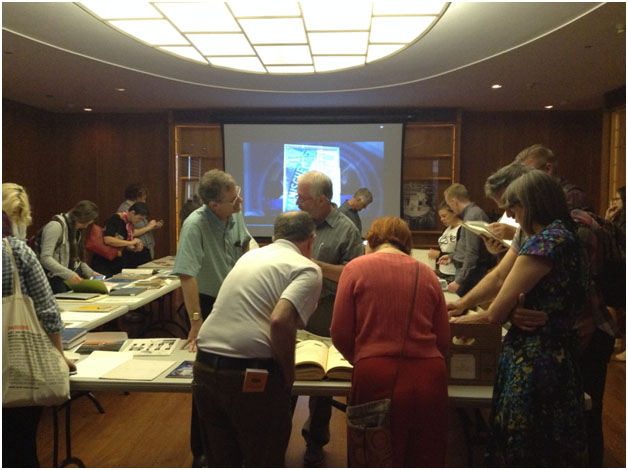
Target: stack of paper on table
pixel 72 337
pixel 314 360
pixel 120 366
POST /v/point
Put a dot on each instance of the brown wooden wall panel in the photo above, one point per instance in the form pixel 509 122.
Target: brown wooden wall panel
pixel 62 159
pixel 491 140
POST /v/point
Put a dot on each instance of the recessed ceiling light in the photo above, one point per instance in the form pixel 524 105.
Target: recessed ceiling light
pixel 497 86
pixel 87 109
pixel 120 89
pixel 549 106
pixel 274 37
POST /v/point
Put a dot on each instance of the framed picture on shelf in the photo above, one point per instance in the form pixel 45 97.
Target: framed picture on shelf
pixel 419 204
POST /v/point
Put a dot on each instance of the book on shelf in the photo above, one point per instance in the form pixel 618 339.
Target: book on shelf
pixel 480 227
pixel 314 360
pixel 103 341
pixel 151 346
pixel 182 371
pixel 72 337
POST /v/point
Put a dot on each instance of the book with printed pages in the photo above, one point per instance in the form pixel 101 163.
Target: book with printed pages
pixel 92 286
pixel 480 227
pixel 314 360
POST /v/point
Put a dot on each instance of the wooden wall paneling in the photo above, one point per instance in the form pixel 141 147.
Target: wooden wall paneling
pixel 63 158
pixel 490 140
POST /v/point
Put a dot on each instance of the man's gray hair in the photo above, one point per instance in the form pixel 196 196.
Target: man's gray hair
pixel 364 195
pixel 500 180
pixel 320 184
pixel 213 183
pixel 295 226
pixel 537 153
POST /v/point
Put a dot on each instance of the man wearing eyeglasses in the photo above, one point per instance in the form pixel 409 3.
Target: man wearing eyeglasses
pixel 337 242
pixel 212 239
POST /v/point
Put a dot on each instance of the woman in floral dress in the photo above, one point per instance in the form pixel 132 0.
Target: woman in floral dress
pixel 537 417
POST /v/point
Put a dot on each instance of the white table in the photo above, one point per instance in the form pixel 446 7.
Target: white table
pixel 89 320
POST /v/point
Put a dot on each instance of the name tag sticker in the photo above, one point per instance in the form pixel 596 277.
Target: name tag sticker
pixel 254 380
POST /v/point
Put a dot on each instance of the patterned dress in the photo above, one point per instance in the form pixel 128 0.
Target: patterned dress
pixel 537 417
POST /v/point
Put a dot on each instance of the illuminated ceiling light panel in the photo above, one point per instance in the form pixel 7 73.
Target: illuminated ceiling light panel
pixel 336 16
pixel 326 63
pixel 249 64
pixel 274 31
pixel 339 43
pixel 281 36
pixel 119 10
pixel 284 55
pixel 222 44
pixel 403 29
pixel 379 51
pixel 290 69
pixel 404 7
pixel 188 52
pixel 153 32
pixel 257 8
pixel 211 17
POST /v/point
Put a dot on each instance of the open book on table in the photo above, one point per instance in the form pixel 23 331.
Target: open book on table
pixel 315 360
pixel 480 227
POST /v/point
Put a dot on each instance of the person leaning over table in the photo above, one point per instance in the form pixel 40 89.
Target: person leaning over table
pixel 596 326
pixel 62 246
pixel 119 233
pixel 143 229
pixel 212 239
pixel 368 328
pixel 19 424
pixel 537 415
pixel 337 242
pixel 268 294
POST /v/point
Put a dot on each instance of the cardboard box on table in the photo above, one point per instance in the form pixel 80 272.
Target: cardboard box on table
pixel 473 352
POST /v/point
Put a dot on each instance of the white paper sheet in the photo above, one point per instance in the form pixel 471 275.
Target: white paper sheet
pixel 139 369
pixel 99 363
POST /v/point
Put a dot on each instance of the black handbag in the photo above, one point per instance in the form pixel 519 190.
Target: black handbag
pixel 368 424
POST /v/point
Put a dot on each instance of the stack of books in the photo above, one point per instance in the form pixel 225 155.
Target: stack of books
pixel 72 337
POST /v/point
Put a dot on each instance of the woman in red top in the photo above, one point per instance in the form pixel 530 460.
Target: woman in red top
pixel 368 327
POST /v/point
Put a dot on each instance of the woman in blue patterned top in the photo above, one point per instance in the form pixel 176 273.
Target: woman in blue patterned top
pixel 537 417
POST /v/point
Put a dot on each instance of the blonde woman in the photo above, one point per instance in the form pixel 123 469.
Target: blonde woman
pixel 17 208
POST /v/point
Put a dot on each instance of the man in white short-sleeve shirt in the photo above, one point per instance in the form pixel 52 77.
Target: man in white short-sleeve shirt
pixel 269 293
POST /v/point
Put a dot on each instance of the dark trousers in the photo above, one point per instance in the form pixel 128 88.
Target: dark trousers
pixel 593 364
pixel 242 429
pixel 472 279
pixel 196 441
pixel 19 436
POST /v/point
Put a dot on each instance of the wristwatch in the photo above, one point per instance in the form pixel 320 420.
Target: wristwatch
pixel 196 316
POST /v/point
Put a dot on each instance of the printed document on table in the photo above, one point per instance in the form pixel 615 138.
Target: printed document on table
pixel 100 362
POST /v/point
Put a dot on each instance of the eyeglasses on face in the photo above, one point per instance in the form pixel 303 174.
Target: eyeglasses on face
pixel 235 200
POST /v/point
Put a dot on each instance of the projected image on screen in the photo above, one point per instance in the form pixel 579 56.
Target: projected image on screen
pixel 267 160
pixel 299 159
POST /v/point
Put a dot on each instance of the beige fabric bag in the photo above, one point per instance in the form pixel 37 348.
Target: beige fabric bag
pixel 34 372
